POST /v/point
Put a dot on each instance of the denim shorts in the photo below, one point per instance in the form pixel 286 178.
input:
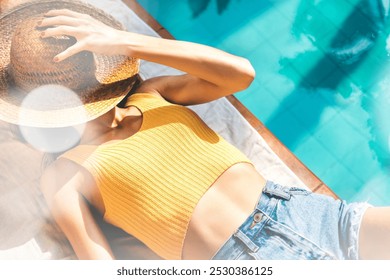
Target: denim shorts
pixel 293 223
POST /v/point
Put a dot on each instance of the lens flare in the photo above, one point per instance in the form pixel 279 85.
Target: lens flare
pixel 51 98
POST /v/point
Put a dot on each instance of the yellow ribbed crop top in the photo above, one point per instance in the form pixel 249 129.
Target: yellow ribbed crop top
pixel 151 182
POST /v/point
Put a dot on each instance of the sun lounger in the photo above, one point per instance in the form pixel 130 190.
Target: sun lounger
pixel 26 229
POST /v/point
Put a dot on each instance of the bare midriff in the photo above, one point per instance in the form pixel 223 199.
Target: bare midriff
pixel 223 208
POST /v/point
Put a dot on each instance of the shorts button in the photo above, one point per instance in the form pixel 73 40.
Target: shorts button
pixel 257 217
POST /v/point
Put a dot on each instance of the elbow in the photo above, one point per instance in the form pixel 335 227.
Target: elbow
pixel 246 76
pixel 250 73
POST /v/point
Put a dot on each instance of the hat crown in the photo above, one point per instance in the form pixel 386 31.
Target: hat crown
pixel 32 65
pixel 38 89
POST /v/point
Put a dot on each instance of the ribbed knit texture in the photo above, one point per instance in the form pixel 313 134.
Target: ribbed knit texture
pixel 152 181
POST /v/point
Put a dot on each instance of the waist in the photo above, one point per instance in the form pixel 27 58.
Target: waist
pixel 222 209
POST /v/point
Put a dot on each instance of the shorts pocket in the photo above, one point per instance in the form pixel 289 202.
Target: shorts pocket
pixel 278 242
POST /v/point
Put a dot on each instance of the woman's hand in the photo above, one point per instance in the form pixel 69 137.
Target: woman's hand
pixel 91 34
pixel 211 73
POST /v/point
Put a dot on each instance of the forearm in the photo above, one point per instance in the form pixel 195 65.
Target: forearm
pixel 208 63
pixel 226 72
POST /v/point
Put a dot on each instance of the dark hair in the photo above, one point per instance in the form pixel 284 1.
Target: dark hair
pixel 138 81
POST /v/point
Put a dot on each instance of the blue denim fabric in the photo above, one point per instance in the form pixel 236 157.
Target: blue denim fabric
pixel 293 223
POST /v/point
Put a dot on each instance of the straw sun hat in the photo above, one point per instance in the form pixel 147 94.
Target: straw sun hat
pixel 35 91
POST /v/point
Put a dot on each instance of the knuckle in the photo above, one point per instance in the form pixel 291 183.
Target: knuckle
pixel 88 18
pixel 59 11
pixel 85 44
pixel 48 31
pixel 58 29
pixel 84 21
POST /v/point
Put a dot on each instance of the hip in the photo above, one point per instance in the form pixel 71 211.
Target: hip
pixel 293 223
pixel 222 209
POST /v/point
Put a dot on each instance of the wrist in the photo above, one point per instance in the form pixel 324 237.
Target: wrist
pixel 123 43
pixel 127 42
pixel 141 46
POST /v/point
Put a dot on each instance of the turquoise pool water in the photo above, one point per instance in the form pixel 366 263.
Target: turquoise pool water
pixel 323 78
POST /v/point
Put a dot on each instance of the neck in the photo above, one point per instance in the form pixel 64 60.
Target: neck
pixel 110 119
pixel 102 125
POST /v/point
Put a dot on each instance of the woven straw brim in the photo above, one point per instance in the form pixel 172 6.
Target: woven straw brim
pixel 115 74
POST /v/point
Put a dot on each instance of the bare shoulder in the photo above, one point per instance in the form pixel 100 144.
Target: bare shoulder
pixel 61 170
pixel 151 86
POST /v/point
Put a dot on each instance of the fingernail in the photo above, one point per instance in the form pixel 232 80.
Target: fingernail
pixel 42 34
pixel 39 22
pixel 56 59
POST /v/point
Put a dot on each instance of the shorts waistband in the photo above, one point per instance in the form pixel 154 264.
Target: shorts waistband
pixel 271 195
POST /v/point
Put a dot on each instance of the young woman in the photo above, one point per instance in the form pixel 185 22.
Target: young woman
pixel 158 172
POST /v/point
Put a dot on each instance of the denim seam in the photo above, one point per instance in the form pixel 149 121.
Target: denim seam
pixel 216 253
pixel 268 208
pixel 308 240
pixel 246 240
pixel 303 237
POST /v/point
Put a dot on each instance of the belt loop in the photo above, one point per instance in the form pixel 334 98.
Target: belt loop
pixel 277 190
pixel 246 240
